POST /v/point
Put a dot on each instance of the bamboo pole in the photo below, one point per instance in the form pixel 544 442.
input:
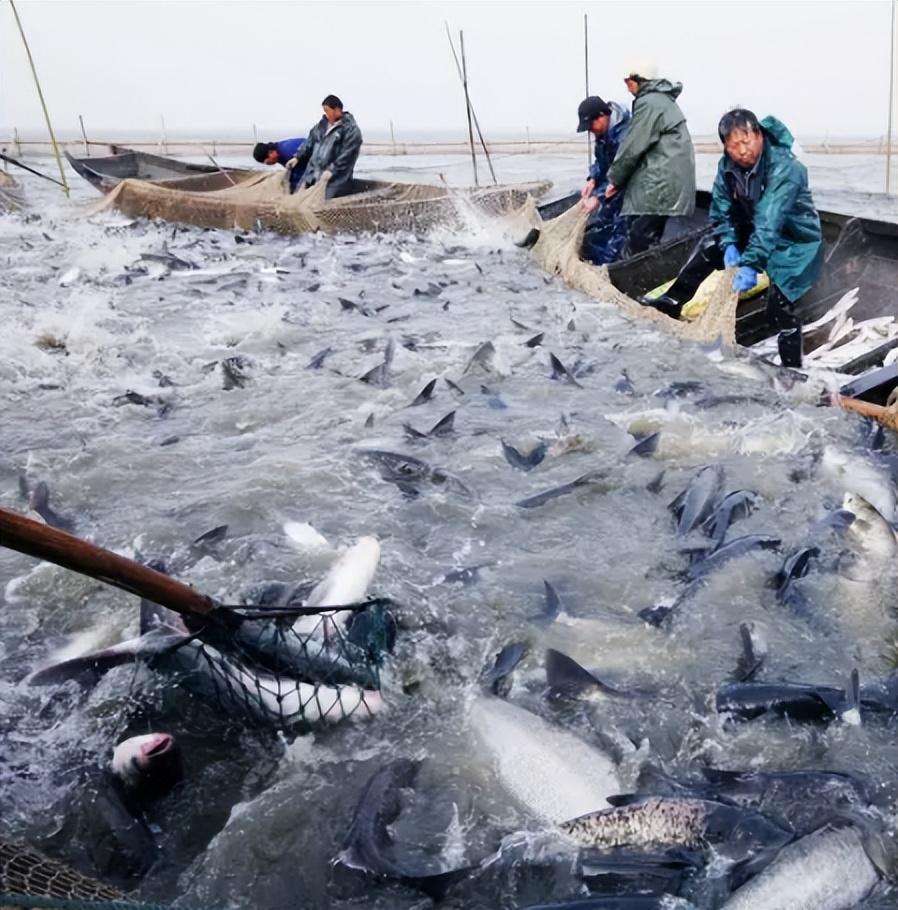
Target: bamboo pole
pixel 586 72
pixel 464 71
pixel 893 4
pixel 392 138
pixel 483 145
pixel 84 134
pixel 40 95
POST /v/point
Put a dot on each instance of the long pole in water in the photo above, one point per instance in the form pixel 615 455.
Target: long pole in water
pixel 893 4
pixel 84 134
pixel 464 72
pixel 586 71
pixel 486 151
pixel 40 95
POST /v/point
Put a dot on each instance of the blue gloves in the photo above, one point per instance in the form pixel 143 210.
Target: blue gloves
pixel 746 278
pixel 731 256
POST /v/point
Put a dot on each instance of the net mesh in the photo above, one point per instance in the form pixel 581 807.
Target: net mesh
pixel 262 201
pixel 285 667
pixel 558 252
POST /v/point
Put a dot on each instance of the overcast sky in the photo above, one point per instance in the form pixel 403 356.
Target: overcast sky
pixel 822 66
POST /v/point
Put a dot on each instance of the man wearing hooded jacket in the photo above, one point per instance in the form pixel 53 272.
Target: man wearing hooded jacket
pixel 655 165
pixel 606 229
pixel 763 219
pixel 333 145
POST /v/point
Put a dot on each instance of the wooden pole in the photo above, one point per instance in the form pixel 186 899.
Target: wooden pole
pixel 40 95
pixel 392 137
pixel 464 72
pixel 84 134
pixel 893 4
pixel 888 417
pixel 586 73
pixel 16 144
pixel 43 542
pixel 483 145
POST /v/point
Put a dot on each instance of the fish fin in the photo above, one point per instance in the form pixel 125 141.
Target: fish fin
pixel 565 676
pixel 528 241
pixel 655 485
pixel 210 537
pixel 436 885
pixel 445 426
pixel 676 504
pixel 412 433
pixel 624 799
pixel 750 661
pixel 646 446
pixel 86 669
pixel 655 616
pixel 497 678
pixel 425 394
pixel 554 607
pixel 851 713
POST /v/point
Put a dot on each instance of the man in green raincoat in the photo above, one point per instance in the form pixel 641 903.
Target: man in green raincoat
pixel 763 219
pixel 654 166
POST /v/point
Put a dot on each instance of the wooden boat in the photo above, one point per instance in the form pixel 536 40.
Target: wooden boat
pixel 860 253
pixel 106 172
pixel 261 201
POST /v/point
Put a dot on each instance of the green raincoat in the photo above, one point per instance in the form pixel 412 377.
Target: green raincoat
pixel 655 164
pixel 785 239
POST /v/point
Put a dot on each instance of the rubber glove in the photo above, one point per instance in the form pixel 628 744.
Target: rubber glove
pixel 746 278
pixel 731 256
pixel 290 164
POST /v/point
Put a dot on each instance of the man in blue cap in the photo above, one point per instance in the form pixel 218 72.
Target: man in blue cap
pixel 606 229
pixel 277 152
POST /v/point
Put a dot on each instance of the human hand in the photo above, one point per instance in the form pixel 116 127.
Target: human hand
pixel 731 256
pixel 290 164
pixel 610 190
pixel 589 189
pixel 590 203
pixel 746 278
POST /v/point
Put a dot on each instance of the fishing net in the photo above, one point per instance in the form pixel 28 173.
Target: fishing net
pixel 11 197
pixel 558 252
pixel 281 668
pixel 262 201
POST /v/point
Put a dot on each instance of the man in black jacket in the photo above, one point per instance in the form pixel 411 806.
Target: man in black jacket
pixel 333 145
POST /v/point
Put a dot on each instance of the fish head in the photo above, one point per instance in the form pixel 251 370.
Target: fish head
pixel 148 766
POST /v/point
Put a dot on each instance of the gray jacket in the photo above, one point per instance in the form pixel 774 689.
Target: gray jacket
pixel 335 151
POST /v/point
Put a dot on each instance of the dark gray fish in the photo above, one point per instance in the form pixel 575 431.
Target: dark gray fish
pixel 368 843
pixel 680 389
pixel 524 462
pixel 134 398
pixel 369 421
pixel 483 357
pixel 170 440
pixel 561 372
pixel 535 341
pixel 796 566
pixel 753 655
pixel 432 290
pixel 467 576
pixel 425 394
pixel 380 375
pixel 624 385
pixel 649 875
pixel 732 507
pixel 713 401
pixel 454 387
pixel 40 502
pixel 210 538
pixel 646 446
pixel 317 362
pixel 732 550
pixel 232 369
pixel 797 701
pixel 565 677
pixel 554 606
pixel 165 258
pixel 520 325
pixel 695 503
pixel 497 678
pixel 408 472
pixel 533 502
pixel 350 305
pixel 837 520
pixel 443 427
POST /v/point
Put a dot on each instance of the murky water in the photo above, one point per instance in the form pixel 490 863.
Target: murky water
pixel 86 320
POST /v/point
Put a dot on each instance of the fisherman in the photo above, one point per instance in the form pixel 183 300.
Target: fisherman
pixel 277 152
pixel 606 229
pixel 654 167
pixel 763 219
pixel 333 145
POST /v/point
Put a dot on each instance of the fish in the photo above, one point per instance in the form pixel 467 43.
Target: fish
pixel 859 475
pixel 734 506
pixel 696 502
pixel 535 341
pixel 619 902
pixel 233 372
pixel 317 362
pixel 521 461
pixel 796 566
pixel 425 394
pixel 588 479
pixel 467 575
pixel 565 677
pixel 733 550
pixel 548 770
pixel 873 541
pixel 497 678
pixel 827 870
pixel 561 372
pixel 661 821
pixel 368 842
pixel 443 427
pixel 39 500
pixel 798 701
pixel 379 376
pixel 408 473
pixel 483 357
pixel 624 385
pixel 753 655
pixel 646 446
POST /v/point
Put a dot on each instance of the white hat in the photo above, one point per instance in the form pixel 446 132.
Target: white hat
pixel 643 67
